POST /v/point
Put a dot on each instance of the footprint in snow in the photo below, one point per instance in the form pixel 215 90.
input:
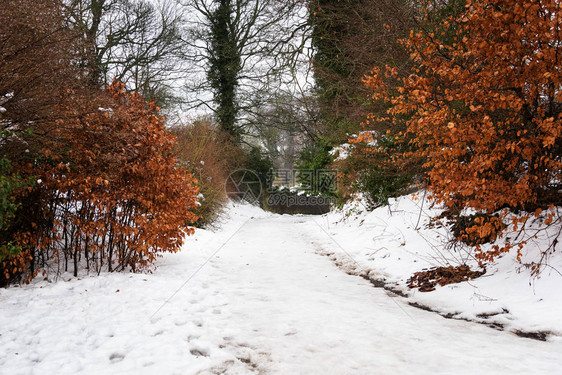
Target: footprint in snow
pixel 191 338
pixel 199 352
pixel 116 357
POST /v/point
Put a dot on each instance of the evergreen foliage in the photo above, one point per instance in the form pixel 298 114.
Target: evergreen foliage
pixel 224 67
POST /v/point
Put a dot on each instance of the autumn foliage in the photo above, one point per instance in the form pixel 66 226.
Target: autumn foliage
pixel 482 111
pixel 88 179
pixel 109 194
pixel 210 155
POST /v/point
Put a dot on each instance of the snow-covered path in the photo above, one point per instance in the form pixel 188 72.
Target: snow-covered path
pixel 265 303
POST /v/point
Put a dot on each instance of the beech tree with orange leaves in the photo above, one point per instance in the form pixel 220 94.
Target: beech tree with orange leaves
pixel 483 110
pixel 110 195
pixel 88 178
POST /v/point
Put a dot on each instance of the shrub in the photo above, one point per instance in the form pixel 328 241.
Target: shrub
pixel 373 169
pixel 210 155
pixel 484 110
pixel 9 184
pixel 314 159
pixel 110 194
pixel 260 163
pixel 469 228
pixel 380 185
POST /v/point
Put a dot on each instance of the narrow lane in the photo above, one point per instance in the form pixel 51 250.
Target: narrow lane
pixel 250 299
pixel 305 316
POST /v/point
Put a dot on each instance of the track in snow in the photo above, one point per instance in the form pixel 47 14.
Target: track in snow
pixel 266 303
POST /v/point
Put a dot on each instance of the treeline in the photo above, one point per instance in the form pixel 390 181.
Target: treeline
pixel 89 179
pixel 458 97
pixel 466 102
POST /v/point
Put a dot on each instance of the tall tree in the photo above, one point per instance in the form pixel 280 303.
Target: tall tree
pixel 242 48
pixel 137 42
pixel 349 38
pixel 37 61
pixel 37 65
pixel 224 66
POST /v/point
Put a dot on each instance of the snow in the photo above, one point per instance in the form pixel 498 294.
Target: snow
pixel 341 152
pixel 390 244
pixel 108 111
pixel 5 98
pixel 253 297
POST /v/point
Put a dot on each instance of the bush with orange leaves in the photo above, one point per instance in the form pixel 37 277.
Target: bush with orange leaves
pixel 210 155
pixel 109 196
pixel 483 109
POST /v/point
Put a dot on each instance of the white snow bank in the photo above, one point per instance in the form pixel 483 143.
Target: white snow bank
pixel 394 242
pixel 123 323
pixel 254 297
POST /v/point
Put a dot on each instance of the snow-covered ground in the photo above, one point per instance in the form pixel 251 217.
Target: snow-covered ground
pixel 391 243
pixel 254 297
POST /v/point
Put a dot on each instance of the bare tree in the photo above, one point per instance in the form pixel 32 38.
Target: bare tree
pixel 239 50
pixel 283 127
pixel 134 41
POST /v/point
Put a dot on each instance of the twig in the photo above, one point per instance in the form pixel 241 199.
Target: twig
pixel 421 209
